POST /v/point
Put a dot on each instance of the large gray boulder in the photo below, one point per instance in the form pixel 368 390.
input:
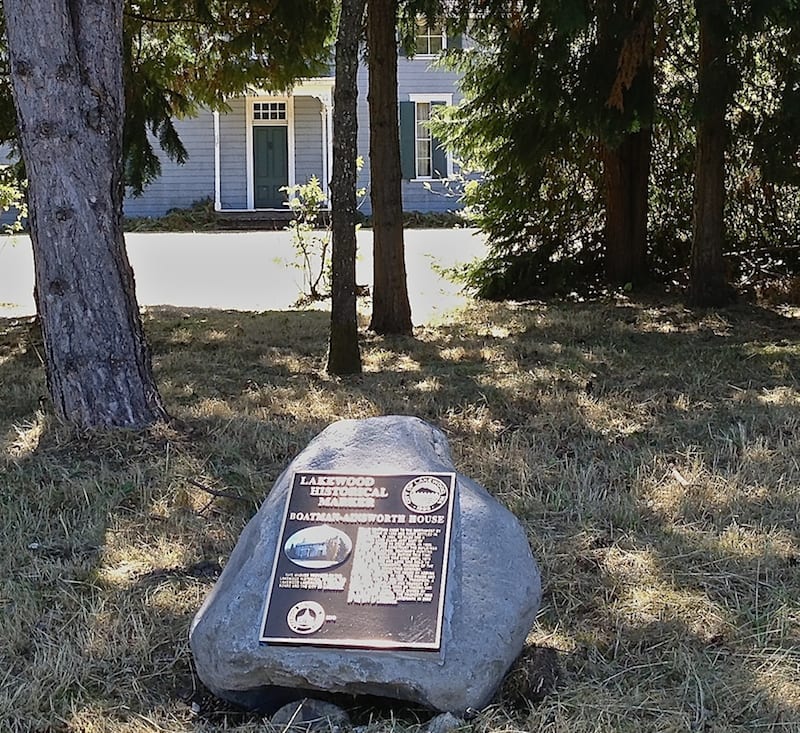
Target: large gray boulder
pixel 492 595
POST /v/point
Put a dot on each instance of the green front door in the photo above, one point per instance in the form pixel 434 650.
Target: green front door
pixel 270 165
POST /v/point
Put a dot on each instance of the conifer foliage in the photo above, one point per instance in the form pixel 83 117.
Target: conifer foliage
pixel 181 56
pixel 625 139
pixel 73 65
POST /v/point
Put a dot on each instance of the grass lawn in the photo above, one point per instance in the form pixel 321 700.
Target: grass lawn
pixel 652 453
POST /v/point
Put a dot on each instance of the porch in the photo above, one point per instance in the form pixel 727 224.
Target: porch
pixel 268 141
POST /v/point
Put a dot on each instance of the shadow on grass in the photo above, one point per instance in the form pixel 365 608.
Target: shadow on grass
pixel 22 381
pixel 650 452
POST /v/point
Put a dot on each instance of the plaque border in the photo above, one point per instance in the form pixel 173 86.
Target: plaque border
pixel 361 644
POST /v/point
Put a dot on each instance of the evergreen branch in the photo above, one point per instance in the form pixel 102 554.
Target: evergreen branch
pixel 165 21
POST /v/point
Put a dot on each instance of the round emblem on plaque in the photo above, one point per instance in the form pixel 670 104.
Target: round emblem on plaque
pixel 305 617
pixel 425 494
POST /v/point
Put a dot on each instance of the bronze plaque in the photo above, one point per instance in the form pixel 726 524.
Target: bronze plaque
pixel 361 561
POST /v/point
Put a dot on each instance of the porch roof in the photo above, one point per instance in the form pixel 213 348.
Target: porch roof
pixel 320 87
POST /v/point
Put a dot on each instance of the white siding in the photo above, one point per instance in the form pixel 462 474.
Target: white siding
pixel 233 155
pixel 308 139
pixel 179 186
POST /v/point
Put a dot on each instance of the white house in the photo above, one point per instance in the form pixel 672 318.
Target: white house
pixel 242 158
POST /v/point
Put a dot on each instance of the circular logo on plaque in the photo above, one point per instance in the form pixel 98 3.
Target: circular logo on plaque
pixel 425 494
pixel 305 617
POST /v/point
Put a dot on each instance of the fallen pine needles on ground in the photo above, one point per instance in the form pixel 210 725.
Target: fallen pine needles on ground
pixel 650 451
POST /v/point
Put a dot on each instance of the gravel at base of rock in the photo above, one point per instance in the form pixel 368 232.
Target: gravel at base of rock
pixel 444 723
pixel 311 715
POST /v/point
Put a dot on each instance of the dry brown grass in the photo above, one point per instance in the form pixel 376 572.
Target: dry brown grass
pixel 651 452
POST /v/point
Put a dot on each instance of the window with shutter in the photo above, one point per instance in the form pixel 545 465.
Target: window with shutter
pixel 421 154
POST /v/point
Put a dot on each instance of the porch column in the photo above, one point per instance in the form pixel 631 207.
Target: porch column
pixel 325 121
pixel 217 175
pixel 329 124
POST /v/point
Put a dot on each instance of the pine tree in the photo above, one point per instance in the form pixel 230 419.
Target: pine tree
pixel 733 38
pixel 558 115
pixel 391 310
pixel 66 69
pixel 72 65
pixel 707 279
pixel 344 356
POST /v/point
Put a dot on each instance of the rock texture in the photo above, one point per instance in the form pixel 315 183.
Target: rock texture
pixel 493 591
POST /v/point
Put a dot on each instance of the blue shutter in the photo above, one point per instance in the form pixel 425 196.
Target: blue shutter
pixel 408 148
pixel 439 153
pixel 456 41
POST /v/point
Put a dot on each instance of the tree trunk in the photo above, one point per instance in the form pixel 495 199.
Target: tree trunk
pixel 66 70
pixel 391 311
pixel 626 162
pixel 626 171
pixel 344 356
pixel 707 281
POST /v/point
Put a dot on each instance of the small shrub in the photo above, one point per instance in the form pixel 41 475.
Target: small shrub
pixel 311 242
pixel 12 197
pixel 312 236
